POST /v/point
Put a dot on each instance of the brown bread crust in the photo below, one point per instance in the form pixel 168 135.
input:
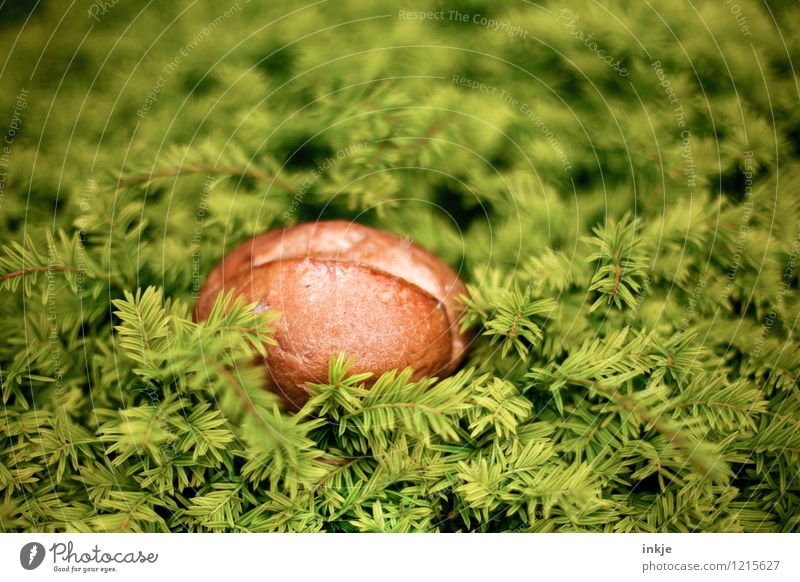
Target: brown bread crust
pixel 344 287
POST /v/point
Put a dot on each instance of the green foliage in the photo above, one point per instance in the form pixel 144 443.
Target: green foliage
pixel 509 316
pixel 630 245
pixel 621 266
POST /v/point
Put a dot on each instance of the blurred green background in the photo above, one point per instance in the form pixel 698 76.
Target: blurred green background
pixel 557 138
pixel 498 134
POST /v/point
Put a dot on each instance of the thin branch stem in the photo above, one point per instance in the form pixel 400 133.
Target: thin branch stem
pixel 27 270
pixel 203 168
pixel 672 434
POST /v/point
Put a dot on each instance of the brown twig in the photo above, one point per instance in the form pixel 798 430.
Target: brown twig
pixel 124 523
pixel 617 278
pixel 434 128
pixel 22 272
pixel 512 331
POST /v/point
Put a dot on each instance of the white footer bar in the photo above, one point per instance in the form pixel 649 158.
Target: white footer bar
pixel 407 557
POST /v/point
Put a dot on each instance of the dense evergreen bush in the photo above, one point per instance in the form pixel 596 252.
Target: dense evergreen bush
pixel 618 184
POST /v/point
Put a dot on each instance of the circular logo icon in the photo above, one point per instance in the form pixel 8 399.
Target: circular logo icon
pixel 31 555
